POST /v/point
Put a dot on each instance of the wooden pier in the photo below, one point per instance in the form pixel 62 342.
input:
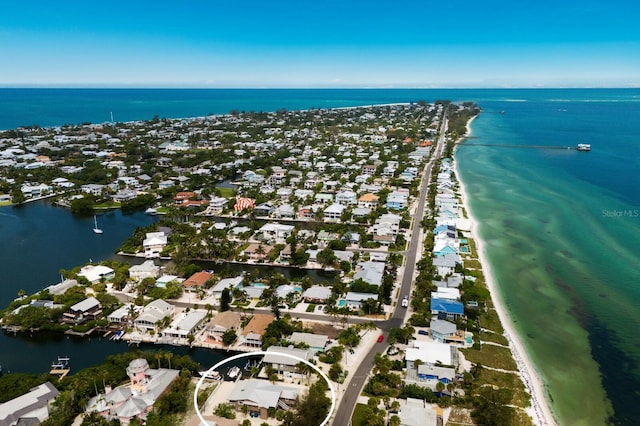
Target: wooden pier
pixel 60 372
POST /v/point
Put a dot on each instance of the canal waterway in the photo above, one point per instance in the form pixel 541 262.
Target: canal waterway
pixel 40 240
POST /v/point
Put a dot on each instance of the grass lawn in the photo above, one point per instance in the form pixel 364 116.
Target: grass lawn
pixel 358 415
pixel 491 356
pixel 505 380
pixel 226 192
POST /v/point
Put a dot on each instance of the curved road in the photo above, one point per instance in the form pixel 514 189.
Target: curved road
pixel 356 383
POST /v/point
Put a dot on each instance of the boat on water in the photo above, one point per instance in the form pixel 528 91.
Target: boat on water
pixel 151 211
pixel 233 373
pixel 584 147
pixel 211 375
pixel 61 364
pixel 95 225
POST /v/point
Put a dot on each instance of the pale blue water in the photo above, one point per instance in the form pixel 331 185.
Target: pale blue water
pixel 560 226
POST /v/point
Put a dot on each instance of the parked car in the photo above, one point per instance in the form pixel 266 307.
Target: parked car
pixel 380 338
pixel 423 332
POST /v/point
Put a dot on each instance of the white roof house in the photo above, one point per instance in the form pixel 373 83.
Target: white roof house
pixel 317 293
pixel 185 323
pixel 429 353
pixel 260 393
pixel 146 269
pixel 152 313
pixel 94 273
pixel 33 404
pixel 154 243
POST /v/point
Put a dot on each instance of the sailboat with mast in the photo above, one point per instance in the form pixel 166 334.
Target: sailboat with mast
pixel 95 225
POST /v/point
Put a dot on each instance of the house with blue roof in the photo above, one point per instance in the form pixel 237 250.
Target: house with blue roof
pixel 446 309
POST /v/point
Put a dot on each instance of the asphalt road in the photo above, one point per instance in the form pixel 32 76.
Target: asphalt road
pixel 356 384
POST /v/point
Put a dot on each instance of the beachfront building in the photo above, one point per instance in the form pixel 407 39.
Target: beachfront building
pixel 446 309
pixel 135 399
pixel 32 408
pixel 414 412
pixel 260 396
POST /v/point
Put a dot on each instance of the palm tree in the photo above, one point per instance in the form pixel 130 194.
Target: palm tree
pixel 451 388
pixel 158 357
pixel 168 356
pixel 440 387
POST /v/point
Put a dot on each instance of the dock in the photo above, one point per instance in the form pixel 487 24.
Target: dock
pixel 522 146
pixel 60 372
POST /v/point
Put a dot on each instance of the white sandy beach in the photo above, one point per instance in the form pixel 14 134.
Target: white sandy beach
pixel 540 409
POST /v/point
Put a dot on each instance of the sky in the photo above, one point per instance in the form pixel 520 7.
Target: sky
pixel 327 43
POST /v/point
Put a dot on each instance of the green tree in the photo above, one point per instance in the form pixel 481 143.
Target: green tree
pixel 225 300
pixel 229 337
pixel 225 410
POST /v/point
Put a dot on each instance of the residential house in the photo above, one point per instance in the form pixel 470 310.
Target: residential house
pixel 154 243
pixel 446 309
pixel 184 325
pixel 196 281
pixel 152 313
pixel 316 294
pixel 260 396
pixel 263 210
pixel 221 323
pixel 254 330
pixel 96 273
pixel 346 198
pixel 257 252
pixel 216 206
pixel 277 232
pixel 414 412
pixel 36 191
pixel 397 200
pixel 85 310
pixel 283 364
pixel 315 342
pixel 353 300
pixel 135 399
pixel 370 272
pixel 432 353
pixel 123 313
pixel 368 200
pixel 124 195
pixel 230 283
pixel 333 213
pixel 31 408
pixel 147 269
pixel 446 264
pixel 285 211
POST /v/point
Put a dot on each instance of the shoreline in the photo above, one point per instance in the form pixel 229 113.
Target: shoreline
pixel 540 409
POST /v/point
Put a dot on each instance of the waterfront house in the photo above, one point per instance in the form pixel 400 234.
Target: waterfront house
pixel 257 252
pixel 124 195
pixel 31 408
pixel 230 283
pixel 196 281
pixel 277 232
pixel 254 330
pixel 285 211
pixel 184 324
pixel 414 412
pixel 124 313
pixel 446 264
pixel 441 330
pixel 135 399
pixel 260 396
pixel 154 243
pixel 283 364
pixel 36 191
pixel 96 273
pixel 221 323
pixel 152 313
pixel 446 309
pixel 85 310
pixel 370 272
pixel 216 206
pixel 432 353
pixel 263 210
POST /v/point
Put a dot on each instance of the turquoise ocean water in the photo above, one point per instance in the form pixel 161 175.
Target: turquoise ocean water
pixel 562 228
